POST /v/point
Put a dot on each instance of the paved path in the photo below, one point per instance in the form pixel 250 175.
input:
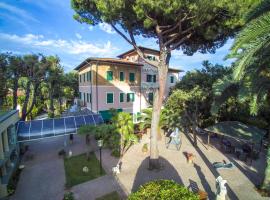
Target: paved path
pixel 201 174
pixel 44 176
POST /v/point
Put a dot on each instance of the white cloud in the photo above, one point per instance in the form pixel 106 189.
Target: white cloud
pixel 90 28
pixel 78 36
pixel 73 47
pixel 17 11
pixel 106 27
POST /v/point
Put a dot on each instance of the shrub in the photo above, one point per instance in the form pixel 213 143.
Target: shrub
pixel 163 190
pixel 69 196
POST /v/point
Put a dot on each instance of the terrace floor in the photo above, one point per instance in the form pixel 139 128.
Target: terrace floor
pixel 44 176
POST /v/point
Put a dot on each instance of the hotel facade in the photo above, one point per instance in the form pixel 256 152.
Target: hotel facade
pixel 123 84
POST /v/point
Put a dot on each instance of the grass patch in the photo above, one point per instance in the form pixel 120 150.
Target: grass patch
pixel 111 196
pixel 74 169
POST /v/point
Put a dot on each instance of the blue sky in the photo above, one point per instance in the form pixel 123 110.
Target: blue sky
pixel 47 27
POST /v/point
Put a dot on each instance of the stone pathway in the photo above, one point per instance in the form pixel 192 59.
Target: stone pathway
pixel 44 176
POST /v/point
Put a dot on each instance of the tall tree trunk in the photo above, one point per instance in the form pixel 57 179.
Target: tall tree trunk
pixel 158 100
pixel 25 104
pixel 15 89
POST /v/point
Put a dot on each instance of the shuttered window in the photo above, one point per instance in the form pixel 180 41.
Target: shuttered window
pixel 148 78
pixel 131 77
pixel 122 76
pixel 109 75
pixel 150 97
pixel 154 78
pixel 130 97
pixel 172 79
pixel 121 97
pixel 109 97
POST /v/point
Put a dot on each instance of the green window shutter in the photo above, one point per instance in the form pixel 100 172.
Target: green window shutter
pixel 90 75
pixel 131 77
pixel 87 97
pixel 84 77
pixel 84 97
pixel 80 78
pixel 148 78
pixel 109 97
pixel 130 97
pixel 109 75
pixel 80 95
pixel 154 78
pixel 90 98
pixel 121 97
pixel 172 79
pixel 122 76
pixel 150 97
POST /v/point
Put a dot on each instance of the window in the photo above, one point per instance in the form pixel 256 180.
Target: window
pixel 84 97
pixel 172 79
pixel 154 78
pixel 109 75
pixel 88 97
pixel 80 78
pixel 122 76
pixel 88 78
pixel 150 97
pixel 80 95
pixel 131 77
pixel 148 78
pixel 109 97
pixel 84 77
pixel 121 97
pixel 130 97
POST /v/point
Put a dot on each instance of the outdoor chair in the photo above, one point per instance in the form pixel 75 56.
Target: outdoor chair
pixel 174 139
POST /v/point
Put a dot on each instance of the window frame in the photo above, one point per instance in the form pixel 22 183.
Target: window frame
pixel 107 97
pixel 121 72
pixel 171 79
pixel 129 99
pixel 134 74
pixel 107 75
pixel 123 100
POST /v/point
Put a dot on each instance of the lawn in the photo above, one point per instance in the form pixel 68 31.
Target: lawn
pixel 74 169
pixel 111 196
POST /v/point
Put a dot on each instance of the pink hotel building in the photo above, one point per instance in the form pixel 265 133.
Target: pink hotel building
pixel 106 83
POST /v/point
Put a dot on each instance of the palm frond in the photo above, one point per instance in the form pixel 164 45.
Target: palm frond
pixel 260 9
pixel 255 30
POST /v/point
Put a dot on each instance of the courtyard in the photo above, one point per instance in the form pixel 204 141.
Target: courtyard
pixel 44 173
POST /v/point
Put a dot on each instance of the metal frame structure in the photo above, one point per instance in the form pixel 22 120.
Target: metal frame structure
pixel 46 128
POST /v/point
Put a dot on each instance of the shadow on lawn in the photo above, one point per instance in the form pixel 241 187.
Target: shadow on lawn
pixel 144 175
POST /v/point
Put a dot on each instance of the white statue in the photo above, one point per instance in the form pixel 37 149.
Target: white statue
pixel 221 188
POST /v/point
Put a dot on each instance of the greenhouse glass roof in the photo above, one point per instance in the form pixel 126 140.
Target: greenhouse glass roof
pixel 38 129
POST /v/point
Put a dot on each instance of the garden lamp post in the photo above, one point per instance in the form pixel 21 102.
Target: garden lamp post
pixel 100 144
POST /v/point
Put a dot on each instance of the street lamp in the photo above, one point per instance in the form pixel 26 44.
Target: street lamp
pixel 100 144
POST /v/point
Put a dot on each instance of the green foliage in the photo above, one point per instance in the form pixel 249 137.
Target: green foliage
pixel 123 123
pixel 162 190
pixel 205 24
pixel 69 196
pixel 87 129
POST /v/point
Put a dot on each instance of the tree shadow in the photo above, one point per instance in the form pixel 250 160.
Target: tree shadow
pixel 230 193
pixel 144 175
pixel 204 182
pixel 255 176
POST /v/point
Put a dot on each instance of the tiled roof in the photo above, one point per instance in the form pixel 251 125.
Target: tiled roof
pixel 108 60
pixel 142 48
